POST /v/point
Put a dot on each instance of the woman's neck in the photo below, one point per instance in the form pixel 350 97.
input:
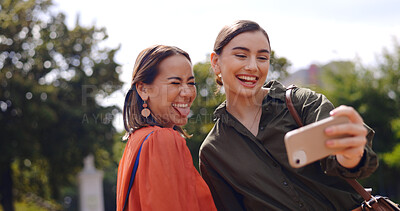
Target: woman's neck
pixel 242 106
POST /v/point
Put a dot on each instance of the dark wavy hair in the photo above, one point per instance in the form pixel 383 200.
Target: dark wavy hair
pixel 229 32
pixel 145 70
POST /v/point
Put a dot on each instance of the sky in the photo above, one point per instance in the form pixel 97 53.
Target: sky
pixel 305 32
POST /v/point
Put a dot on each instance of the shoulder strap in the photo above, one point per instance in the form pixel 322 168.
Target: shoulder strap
pixel 354 183
pixel 135 166
pixel 360 189
pixel 290 105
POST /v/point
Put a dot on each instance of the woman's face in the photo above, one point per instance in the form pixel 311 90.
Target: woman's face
pixel 243 64
pixel 173 90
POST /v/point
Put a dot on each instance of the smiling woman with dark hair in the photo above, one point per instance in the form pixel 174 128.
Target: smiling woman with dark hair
pixel 243 159
pixel 156 171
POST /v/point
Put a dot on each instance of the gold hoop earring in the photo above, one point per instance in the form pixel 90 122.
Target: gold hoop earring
pixel 145 111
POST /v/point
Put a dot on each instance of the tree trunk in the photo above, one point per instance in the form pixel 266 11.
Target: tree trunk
pixel 6 195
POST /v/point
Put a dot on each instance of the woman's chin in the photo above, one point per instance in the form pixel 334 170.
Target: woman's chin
pixel 181 122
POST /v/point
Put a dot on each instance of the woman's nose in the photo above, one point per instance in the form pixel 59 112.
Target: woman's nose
pixel 187 91
pixel 251 64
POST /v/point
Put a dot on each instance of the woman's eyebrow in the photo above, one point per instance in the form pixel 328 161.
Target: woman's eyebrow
pixel 246 49
pixel 240 48
pixel 263 51
pixel 176 78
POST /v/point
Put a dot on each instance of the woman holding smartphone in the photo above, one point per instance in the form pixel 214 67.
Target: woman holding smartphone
pixel 243 158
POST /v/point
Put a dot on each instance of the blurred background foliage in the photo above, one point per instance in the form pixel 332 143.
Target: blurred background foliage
pixel 375 93
pixel 52 82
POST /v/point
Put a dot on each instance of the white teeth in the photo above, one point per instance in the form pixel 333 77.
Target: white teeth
pixel 247 78
pixel 180 105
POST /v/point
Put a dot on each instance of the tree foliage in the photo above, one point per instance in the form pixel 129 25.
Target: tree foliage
pixel 279 67
pixel 52 79
pixel 375 93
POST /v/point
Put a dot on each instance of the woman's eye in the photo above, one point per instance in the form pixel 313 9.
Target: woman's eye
pixel 175 83
pixel 192 83
pixel 240 55
pixel 263 58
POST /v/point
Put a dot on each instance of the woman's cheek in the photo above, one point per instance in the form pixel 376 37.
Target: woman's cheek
pixel 194 94
pixel 171 93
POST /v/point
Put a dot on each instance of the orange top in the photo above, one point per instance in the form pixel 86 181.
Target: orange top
pixel 165 179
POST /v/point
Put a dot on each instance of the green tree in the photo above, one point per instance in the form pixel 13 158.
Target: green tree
pixel 201 117
pixel 209 97
pixel 52 80
pixel 390 77
pixel 279 67
pixel 375 93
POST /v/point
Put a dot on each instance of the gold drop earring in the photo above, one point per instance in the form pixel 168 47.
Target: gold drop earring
pixel 145 111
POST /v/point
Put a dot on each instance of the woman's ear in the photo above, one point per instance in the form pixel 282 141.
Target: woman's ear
pixel 214 58
pixel 142 90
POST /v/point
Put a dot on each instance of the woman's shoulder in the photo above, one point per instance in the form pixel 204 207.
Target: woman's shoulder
pixel 215 137
pixel 304 91
pixel 299 93
pixel 155 129
pixel 279 86
pixel 165 135
pixel 158 138
pixel 167 132
pixel 157 133
pixel 304 95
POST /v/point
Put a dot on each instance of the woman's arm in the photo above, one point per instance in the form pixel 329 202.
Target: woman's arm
pixel 314 107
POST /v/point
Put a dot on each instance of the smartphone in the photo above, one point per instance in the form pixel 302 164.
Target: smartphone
pixel 307 144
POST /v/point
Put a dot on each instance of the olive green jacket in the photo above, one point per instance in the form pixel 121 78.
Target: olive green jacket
pixel 247 172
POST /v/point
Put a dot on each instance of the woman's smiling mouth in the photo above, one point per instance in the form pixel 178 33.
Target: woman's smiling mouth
pixel 247 80
pixel 182 108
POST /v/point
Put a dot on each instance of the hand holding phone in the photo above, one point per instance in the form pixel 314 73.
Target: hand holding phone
pixel 307 144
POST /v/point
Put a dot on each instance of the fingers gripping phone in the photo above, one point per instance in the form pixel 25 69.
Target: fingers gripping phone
pixel 307 144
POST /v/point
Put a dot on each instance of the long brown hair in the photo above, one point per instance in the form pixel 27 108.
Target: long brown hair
pixel 229 32
pixel 145 71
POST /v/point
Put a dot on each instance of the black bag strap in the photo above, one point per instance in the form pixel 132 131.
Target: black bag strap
pixel 135 166
pixel 354 183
